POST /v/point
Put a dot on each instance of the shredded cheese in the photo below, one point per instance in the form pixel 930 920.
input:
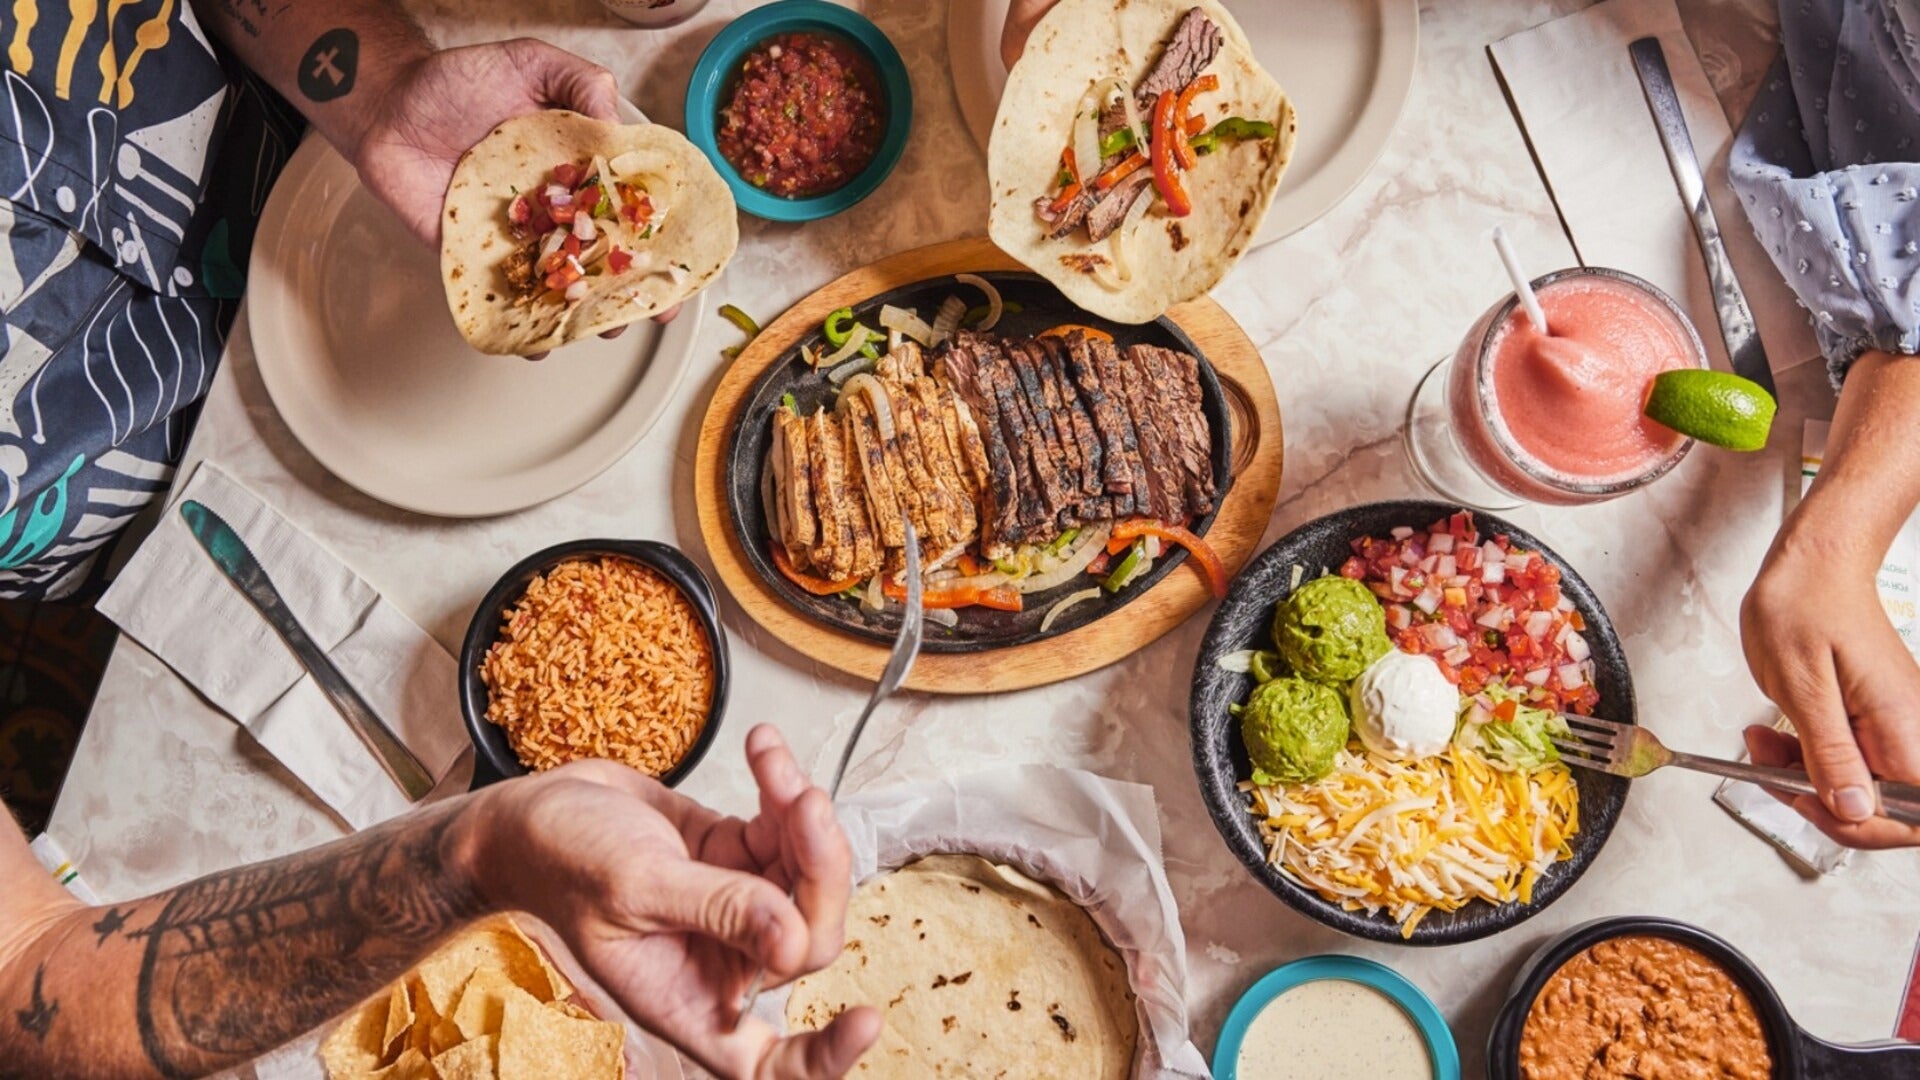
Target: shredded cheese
pixel 1409 838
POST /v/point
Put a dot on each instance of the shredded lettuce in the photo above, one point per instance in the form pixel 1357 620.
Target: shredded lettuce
pixel 1524 745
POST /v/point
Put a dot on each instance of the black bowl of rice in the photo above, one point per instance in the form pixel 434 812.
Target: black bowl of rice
pixel 606 649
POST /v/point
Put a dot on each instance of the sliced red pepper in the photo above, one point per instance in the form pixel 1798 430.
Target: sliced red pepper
pixel 562 215
pixel 1072 190
pixel 968 565
pixel 1000 597
pixel 618 260
pixel 1182 113
pixel 1099 564
pixel 1166 171
pixel 1125 168
pixel 814 585
pixel 1203 554
pixel 1090 332
pixel 1115 545
pixel 567 174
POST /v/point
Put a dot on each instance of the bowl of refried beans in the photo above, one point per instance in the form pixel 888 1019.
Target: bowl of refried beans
pixel 1650 998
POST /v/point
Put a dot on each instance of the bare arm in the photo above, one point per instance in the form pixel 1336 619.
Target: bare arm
pixel 402 112
pixel 668 906
pixel 1815 634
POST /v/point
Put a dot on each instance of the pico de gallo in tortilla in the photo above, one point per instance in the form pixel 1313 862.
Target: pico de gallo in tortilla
pixel 580 221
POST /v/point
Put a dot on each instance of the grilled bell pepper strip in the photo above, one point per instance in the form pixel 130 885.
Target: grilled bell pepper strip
pixel 1000 597
pixel 1182 113
pixel 1203 554
pixel 1234 128
pixel 814 585
pixel 1118 141
pixel 1125 168
pixel 1124 569
pixel 1093 333
pixel 1072 189
pixel 1166 169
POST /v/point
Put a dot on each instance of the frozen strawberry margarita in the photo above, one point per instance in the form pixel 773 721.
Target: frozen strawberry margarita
pixel 1556 417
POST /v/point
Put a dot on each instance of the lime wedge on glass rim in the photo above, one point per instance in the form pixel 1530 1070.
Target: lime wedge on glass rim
pixel 1718 408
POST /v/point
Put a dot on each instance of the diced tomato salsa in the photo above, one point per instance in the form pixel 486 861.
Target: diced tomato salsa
pixel 805 115
pixel 1484 609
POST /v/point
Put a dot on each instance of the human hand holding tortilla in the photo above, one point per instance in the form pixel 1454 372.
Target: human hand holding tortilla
pixel 672 908
pixel 1022 17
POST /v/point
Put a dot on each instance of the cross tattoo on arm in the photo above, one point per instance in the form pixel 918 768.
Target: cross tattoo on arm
pixel 327 69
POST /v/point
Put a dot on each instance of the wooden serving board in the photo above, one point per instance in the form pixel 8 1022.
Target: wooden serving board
pixel 1237 529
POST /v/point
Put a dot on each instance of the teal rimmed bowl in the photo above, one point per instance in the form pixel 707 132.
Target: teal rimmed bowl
pixel 713 76
pixel 1441 1050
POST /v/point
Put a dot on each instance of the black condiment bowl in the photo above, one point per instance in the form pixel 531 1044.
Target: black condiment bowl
pixel 494 758
pixel 1242 621
pixel 1796 1054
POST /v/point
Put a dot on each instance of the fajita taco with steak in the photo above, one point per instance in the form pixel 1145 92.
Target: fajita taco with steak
pixel 557 227
pixel 1135 153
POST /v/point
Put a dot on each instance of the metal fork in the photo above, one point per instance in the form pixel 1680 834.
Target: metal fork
pixel 1629 750
pixel 906 648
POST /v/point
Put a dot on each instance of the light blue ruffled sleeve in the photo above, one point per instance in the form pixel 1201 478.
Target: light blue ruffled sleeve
pixel 1827 166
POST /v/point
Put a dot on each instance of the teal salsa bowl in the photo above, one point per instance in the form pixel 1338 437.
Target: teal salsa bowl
pixel 1441 1050
pixel 713 77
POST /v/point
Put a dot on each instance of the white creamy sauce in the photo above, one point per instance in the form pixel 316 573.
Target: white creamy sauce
pixel 1333 1029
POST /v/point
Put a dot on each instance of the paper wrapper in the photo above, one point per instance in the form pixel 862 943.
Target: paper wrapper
pixel 1096 840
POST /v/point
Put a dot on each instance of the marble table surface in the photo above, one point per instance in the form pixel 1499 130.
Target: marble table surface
pixel 1346 313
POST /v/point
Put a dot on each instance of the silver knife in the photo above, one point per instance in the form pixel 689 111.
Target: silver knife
pixel 1736 319
pixel 230 554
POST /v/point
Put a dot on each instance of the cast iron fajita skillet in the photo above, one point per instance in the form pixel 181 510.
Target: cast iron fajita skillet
pixel 1796 1054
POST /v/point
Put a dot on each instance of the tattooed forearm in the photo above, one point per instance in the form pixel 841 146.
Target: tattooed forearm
pixel 37 1018
pixel 240 962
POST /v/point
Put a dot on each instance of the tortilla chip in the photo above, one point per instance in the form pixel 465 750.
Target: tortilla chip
pixel 413 1065
pixel 445 1036
pixel 399 1022
pixel 574 1010
pixel 537 1043
pixel 497 944
pixel 483 1001
pixel 356 1047
pixel 476 1060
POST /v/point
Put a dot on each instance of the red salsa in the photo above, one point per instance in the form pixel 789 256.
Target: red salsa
pixel 805 115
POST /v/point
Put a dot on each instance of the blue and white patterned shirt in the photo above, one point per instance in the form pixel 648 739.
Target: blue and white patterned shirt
pixel 1827 165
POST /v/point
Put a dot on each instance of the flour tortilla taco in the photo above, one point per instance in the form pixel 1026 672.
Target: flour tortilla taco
pixel 557 227
pixel 1136 151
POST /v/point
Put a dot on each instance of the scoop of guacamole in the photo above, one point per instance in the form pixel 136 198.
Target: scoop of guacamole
pixel 1331 629
pixel 1293 727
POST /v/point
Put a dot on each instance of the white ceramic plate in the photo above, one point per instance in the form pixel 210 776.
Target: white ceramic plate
pixel 362 359
pixel 1346 64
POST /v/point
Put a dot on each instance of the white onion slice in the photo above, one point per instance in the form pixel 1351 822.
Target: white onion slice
pixel 941 616
pixel 1065 602
pixel 577 291
pixel 584 229
pixel 839 376
pixel 873 600
pixel 876 397
pixel 994 305
pixel 1091 542
pixel 855 338
pixel 1086 126
pixel 947 319
pixel 906 322
pixel 559 195
pixel 1117 242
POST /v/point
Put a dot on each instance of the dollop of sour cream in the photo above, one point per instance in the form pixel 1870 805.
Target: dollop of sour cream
pixel 1404 708
pixel 1333 1029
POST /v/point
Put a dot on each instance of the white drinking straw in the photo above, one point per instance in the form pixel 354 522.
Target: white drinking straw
pixel 1521 286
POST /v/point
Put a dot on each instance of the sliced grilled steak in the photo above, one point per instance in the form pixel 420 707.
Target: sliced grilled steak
pixel 1092 450
pixel 1165 481
pixel 1108 363
pixel 1062 222
pixel 1000 509
pixel 889 521
pixel 1040 491
pixel 1110 209
pixel 1180 418
pixel 1057 481
pixel 1073 460
pixel 1110 423
pixel 1195 42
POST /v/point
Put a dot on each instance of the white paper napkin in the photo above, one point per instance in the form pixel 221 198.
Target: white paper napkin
pixel 1579 99
pixel 1096 840
pixel 176 602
